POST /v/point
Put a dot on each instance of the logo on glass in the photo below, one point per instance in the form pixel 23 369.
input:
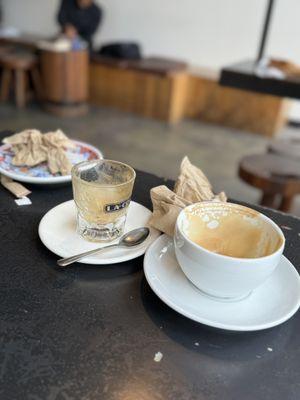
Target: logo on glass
pixel 116 207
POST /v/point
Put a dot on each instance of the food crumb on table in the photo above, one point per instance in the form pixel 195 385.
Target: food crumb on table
pixel 158 357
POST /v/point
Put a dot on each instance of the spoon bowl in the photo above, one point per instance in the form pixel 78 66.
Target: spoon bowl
pixel 134 237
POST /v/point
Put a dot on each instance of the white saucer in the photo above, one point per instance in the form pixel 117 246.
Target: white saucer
pixel 269 305
pixel 57 230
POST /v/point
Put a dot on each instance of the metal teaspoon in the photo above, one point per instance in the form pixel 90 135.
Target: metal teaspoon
pixel 130 239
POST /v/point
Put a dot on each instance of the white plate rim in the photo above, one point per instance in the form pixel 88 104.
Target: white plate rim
pixel 136 252
pixel 205 321
pixel 48 181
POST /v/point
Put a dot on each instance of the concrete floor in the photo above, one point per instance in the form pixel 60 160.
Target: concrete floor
pixel 154 146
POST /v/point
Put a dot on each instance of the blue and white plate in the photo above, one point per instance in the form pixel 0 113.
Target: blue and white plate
pixel 40 174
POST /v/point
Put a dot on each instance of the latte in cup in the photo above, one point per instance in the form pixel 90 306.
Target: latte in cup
pixel 225 249
pixel 233 231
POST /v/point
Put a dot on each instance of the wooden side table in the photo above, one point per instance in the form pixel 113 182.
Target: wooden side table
pixel 65 82
pixel 277 176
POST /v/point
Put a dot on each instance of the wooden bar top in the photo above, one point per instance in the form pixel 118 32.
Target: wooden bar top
pixel 242 76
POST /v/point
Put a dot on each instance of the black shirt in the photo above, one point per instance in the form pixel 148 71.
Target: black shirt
pixel 85 20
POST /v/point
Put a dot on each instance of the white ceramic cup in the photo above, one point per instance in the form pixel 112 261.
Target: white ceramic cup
pixel 222 276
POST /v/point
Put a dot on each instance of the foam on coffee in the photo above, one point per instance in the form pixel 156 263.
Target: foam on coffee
pixel 230 230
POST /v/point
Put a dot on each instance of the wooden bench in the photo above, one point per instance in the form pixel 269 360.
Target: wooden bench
pixel 208 101
pixel 152 87
pixel 168 90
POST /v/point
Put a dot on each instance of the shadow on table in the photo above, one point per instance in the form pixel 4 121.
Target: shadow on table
pixel 216 343
pixel 86 272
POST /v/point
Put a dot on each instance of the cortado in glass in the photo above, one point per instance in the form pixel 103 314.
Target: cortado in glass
pixel 102 191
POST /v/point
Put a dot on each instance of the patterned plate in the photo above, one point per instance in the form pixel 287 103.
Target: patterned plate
pixel 40 174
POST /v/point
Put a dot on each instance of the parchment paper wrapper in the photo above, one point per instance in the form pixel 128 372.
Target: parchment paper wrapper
pixel 192 186
pixel 58 161
pixel 15 188
pixel 28 148
pixel 31 148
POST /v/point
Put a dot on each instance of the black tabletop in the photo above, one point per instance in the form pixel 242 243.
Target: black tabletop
pixel 242 76
pixel 91 332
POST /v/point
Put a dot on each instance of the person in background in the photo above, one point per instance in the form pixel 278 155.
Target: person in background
pixel 79 18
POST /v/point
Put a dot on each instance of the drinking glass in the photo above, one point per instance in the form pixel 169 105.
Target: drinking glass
pixel 102 191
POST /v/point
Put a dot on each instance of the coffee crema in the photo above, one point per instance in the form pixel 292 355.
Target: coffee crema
pixel 231 230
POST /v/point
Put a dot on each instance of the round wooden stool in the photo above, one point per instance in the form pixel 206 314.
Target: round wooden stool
pixel 277 176
pixel 22 66
pixel 286 147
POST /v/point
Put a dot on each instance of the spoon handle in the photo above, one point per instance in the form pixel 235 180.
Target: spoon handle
pixel 63 262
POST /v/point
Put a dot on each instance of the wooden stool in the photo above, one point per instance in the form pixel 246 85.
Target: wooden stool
pixel 277 176
pixel 22 66
pixel 286 147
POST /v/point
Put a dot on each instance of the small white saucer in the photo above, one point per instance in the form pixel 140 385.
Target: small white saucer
pixel 269 305
pixel 57 231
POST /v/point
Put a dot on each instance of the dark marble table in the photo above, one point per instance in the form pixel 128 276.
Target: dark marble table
pixel 91 333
